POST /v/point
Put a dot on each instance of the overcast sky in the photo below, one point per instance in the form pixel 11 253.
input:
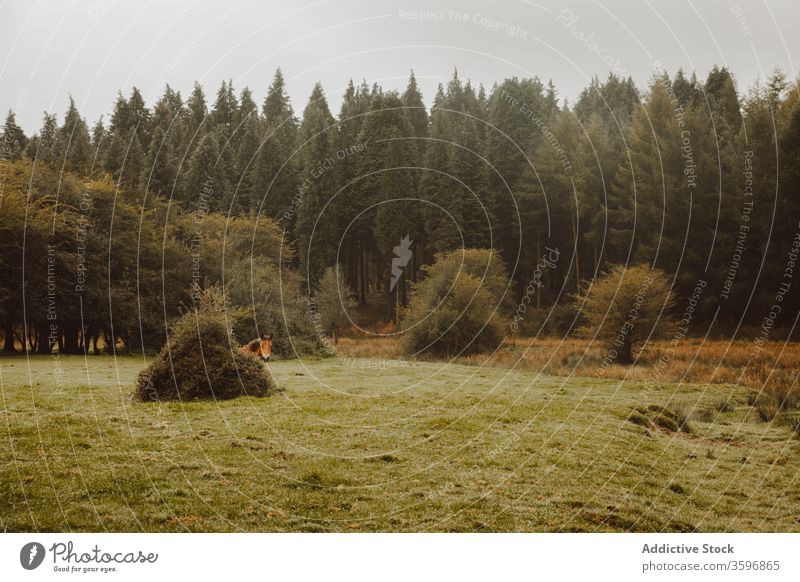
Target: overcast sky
pixel 93 48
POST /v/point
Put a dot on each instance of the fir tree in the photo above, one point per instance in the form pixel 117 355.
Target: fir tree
pixel 13 139
pixel 318 223
pixel 74 144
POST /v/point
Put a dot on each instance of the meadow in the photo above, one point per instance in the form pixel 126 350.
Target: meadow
pixel 357 443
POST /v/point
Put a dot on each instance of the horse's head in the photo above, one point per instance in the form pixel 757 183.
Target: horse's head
pixel 265 347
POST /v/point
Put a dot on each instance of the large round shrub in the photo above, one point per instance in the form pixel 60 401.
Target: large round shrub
pixel 458 308
pixel 626 306
pixel 201 360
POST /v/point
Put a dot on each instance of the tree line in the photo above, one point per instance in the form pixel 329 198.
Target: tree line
pixel 693 177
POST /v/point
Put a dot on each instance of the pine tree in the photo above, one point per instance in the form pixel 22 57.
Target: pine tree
pixel 247 107
pixel 386 183
pixel 352 115
pixel 44 146
pixel 74 144
pixel 649 186
pixel 13 139
pixel 205 181
pixel 359 238
pixel 720 90
pixel 442 231
pixel 121 117
pixel 139 117
pixel 247 156
pixel 513 132
pixel 159 171
pixel 278 161
pixel 224 112
pixel 98 143
pixel 133 164
pixel 416 113
pixel 196 112
pixel 318 223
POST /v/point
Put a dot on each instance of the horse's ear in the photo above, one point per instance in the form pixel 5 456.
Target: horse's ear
pixel 269 337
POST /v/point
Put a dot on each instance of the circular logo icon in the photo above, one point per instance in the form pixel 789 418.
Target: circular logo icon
pixel 31 555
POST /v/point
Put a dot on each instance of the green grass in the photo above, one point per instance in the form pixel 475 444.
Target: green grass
pixel 424 447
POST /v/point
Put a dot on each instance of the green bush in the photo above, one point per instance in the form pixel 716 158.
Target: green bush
pixel 626 306
pixel 457 309
pixel 202 360
pixel 272 302
pixel 334 303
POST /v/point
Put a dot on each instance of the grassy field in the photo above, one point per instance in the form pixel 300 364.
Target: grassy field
pixel 364 445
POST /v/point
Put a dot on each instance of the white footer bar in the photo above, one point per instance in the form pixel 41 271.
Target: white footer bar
pixel 377 557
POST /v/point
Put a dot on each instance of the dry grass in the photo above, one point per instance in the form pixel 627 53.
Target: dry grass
pixel 376 347
pixel 771 371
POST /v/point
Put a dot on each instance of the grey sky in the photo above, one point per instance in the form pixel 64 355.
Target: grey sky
pixel 92 48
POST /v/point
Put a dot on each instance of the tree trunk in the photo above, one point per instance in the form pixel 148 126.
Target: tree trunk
pixel 8 345
pixel 538 290
pixel 33 339
pixel 577 252
pixel 389 300
pixel 23 337
pixel 363 288
pixel 69 344
pixel 624 356
pixel 414 264
pixel 43 337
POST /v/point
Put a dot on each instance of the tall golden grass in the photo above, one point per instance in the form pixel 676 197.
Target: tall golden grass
pixel 770 370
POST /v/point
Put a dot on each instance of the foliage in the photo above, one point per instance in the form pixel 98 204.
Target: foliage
pixel 334 303
pixel 272 302
pixel 626 306
pixel 457 309
pixel 653 175
pixel 201 359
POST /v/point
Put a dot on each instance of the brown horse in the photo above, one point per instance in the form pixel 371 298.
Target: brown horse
pixel 260 347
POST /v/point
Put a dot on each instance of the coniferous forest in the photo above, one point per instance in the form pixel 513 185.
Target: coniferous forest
pixel 115 222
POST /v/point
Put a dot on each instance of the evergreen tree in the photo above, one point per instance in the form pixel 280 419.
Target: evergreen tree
pixel 318 223
pixel 98 143
pixel 44 146
pixel 720 90
pixel 416 113
pixel 352 116
pixel 133 163
pixel 247 107
pixel 247 156
pixel 205 181
pixel 139 117
pixel 278 161
pixel 196 111
pixel 74 144
pixel 159 170
pixel 386 183
pixel 13 139
pixel 334 303
pixel 121 117
pixel 224 112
